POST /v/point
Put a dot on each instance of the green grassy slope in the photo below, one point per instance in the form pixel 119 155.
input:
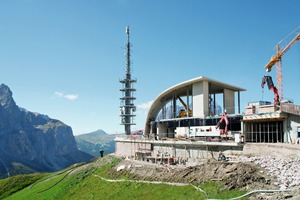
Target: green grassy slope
pixel 84 182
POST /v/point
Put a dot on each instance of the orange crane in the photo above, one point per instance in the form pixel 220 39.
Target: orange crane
pixel 276 59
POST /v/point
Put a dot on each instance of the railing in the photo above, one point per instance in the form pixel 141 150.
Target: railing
pixel 132 137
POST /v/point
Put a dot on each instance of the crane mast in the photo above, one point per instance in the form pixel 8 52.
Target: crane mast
pixel 276 60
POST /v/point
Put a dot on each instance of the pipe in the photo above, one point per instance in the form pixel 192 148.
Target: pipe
pixel 255 191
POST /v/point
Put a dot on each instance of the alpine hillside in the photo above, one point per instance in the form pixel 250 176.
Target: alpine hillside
pixel 93 142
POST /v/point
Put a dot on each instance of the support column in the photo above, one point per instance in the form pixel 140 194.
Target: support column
pixel 188 103
pixel 229 101
pixel 174 105
pixel 285 131
pixel 200 99
pixel 239 103
pixel 215 106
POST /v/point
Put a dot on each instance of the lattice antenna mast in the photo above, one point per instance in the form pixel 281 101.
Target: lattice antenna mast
pixel 127 106
pixel 128 62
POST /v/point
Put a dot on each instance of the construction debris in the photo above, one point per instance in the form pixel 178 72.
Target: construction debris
pixel 285 170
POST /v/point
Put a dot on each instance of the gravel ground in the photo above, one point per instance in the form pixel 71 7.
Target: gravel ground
pixel 243 172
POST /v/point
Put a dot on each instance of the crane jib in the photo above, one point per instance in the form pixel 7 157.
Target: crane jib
pixel 279 54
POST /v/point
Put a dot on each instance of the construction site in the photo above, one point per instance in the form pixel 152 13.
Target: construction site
pixel 202 119
pixel 203 114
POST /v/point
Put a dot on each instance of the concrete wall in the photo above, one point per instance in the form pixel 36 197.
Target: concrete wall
pixel 179 151
pixel 229 101
pixel 272 149
pixel 193 155
pixel 130 147
pixel 125 149
pixel 291 128
pixel 200 99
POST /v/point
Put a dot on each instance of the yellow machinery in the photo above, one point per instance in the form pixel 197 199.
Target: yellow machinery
pixel 183 112
pixel 276 59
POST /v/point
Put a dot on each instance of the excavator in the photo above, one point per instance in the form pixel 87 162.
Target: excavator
pixel 183 112
pixel 271 86
pixel 223 124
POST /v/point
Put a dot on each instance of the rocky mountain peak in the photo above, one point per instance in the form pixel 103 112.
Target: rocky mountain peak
pixel 33 140
pixel 6 99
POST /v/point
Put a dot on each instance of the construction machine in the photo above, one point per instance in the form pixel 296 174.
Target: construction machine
pixel 276 59
pixel 223 124
pixel 183 112
pixel 271 86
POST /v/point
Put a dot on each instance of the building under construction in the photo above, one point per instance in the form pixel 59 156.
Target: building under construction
pixel 200 117
pixel 195 135
pixel 264 122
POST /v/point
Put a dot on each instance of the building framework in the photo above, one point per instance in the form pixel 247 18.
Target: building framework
pixel 169 111
pixel 264 122
pixel 190 108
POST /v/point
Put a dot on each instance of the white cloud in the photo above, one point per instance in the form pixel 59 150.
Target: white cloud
pixel 144 106
pixel 70 97
pixel 58 94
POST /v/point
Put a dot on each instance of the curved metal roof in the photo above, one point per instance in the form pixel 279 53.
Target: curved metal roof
pixel 180 89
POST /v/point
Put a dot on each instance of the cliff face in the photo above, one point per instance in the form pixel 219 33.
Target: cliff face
pixel 34 140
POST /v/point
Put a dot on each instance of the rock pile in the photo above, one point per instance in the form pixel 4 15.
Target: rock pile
pixel 286 170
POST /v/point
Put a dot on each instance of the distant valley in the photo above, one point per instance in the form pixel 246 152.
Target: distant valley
pixel 93 142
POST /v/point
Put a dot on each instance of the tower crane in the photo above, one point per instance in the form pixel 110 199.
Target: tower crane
pixel 276 60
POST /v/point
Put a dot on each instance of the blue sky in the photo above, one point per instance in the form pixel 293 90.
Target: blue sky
pixel 64 58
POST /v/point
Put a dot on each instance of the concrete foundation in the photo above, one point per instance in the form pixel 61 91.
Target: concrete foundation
pixel 169 151
pixel 193 152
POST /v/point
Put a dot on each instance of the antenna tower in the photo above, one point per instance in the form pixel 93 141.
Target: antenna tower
pixel 127 107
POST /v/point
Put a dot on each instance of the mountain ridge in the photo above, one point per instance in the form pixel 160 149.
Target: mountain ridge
pixel 95 141
pixel 34 140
